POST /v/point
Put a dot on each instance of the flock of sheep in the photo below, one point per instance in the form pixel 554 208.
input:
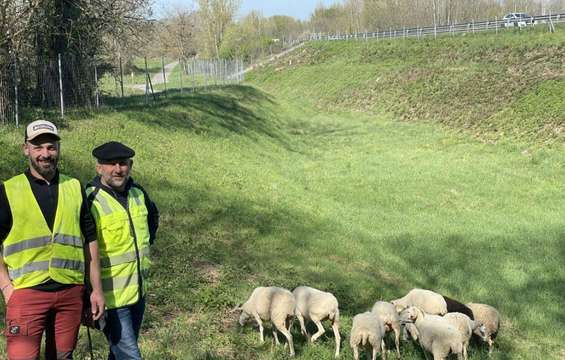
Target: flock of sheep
pixel 441 325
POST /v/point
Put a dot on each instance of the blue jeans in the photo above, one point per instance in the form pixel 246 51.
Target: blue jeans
pixel 122 331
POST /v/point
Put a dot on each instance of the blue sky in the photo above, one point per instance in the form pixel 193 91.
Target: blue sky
pixel 300 9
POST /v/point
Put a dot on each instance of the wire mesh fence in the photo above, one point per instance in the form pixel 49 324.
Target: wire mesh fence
pixel 64 82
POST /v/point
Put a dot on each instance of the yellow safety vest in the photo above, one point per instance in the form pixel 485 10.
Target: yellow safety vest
pixel 32 252
pixel 123 242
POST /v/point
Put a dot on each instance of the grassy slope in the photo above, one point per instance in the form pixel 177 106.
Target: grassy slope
pixel 262 190
pixel 510 84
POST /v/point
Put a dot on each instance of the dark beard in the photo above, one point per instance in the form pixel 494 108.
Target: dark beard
pixel 47 173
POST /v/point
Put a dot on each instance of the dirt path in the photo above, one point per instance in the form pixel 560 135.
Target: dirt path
pixel 157 78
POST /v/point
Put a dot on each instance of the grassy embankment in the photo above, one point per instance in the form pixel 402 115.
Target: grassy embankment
pixel 292 187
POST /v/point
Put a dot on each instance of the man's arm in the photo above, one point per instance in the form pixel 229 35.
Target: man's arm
pixel 152 216
pixel 5 226
pixel 5 282
pixel 97 296
pixel 88 228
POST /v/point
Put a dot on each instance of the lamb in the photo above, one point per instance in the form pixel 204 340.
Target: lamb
pixel 389 317
pixel 490 318
pixel 431 303
pixel 317 306
pixel 466 327
pixel 434 333
pixel 274 304
pixel 367 328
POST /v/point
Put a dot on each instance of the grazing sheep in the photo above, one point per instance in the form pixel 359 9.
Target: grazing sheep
pixel 389 317
pixel 434 333
pixel 455 306
pixel 426 300
pixel 490 318
pixel 274 304
pixel 431 302
pixel 367 328
pixel 317 306
pixel 466 326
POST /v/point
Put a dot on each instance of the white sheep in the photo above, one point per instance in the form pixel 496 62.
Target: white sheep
pixel 367 328
pixel 490 318
pixel 466 327
pixel 317 306
pixel 434 333
pixel 389 317
pixel 274 304
pixel 426 300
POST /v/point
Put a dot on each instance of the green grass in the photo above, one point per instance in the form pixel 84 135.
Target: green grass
pixel 494 86
pixel 270 188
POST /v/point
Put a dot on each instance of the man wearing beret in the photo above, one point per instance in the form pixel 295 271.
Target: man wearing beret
pixel 126 222
pixel 48 240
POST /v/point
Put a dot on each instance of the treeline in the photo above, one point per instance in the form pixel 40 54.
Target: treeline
pixel 112 33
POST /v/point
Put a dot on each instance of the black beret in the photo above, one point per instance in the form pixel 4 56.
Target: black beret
pixel 112 150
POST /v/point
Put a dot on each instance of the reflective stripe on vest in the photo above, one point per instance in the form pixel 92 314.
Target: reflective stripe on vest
pixel 32 252
pixel 119 245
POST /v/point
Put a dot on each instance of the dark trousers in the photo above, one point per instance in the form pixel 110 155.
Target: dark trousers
pixel 122 331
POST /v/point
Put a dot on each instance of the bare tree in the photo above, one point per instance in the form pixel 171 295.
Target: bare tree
pixel 215 16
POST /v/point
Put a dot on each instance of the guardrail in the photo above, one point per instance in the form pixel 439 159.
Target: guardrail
pixel 420 32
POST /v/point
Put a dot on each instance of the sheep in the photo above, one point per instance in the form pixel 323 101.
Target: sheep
pixel 317 306
pixel 274 304
pixel 434 333
pixel 466 327
pixel 490 318
pixel 431 303
pixel 389 317
pixel 367 327
pixel 426 300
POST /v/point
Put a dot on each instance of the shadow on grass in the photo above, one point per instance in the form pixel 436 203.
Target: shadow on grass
pixel 217 111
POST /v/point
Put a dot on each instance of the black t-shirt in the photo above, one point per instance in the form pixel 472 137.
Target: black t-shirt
pixel 46 195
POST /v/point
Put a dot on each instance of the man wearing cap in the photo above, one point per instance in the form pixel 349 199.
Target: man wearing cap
pixel 48 240
pixel 126 222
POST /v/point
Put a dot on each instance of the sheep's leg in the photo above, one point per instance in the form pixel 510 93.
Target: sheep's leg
pixel 335 327
pixel 260 323
pixel 383 349
pixel 465 351
pixel 490 345
pixel 397 340
pixel 356 352
pixel 276 336
pixel 320 332
pixel 282 328
pixel 302 327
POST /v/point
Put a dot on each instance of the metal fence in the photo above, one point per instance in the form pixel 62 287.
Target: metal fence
pixel 65 82
pixel 449 29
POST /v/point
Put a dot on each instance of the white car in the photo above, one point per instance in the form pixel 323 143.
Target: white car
pixel 517 19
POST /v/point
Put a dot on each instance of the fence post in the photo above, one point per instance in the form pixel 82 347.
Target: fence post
pixel 164 76
pixel 96 87
pixel 61 87
pixel 192 70
pixel 496 24
pixel 146 82
pixel 473 25
pixel 180 73
pixel 121 76
pixel 16 91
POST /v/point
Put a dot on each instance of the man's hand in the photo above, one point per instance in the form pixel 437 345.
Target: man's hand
pixel 7 292
pixel 97 304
